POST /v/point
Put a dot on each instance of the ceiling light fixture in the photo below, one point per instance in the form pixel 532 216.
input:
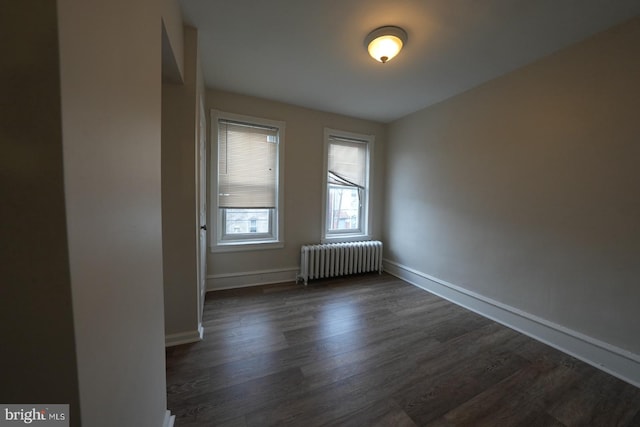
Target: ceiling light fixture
pixel 385 42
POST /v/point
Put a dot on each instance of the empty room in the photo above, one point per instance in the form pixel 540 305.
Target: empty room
pixel 354 213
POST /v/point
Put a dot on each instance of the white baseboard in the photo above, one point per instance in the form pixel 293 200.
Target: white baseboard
pixel 168 419
pixel 217 282
pixel 184 337
pixel 611 359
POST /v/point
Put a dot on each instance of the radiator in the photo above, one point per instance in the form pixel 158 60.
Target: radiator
pixel 339 259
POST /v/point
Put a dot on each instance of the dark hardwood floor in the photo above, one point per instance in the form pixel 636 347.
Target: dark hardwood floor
pixel 372 350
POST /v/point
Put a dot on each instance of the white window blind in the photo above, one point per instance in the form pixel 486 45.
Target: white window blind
pixel 247 165
pixel 347 162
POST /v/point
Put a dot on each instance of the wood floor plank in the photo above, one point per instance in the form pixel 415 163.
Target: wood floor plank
pixel 333 325
pixel 323 405
pixel 382 413
pixel 372 350
pixel 434 395
pixel 598 400
pixel 388 345
pixel 223 405
pixel 516 398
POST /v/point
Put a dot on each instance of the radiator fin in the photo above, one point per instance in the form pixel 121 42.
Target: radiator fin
pixel 339 259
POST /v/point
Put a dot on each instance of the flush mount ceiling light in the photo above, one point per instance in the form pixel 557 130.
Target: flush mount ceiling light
pixel 385 42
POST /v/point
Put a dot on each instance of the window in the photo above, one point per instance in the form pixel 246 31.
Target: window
pixel 246 191
pixel 347 159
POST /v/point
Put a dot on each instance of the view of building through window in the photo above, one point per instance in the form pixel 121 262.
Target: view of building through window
pixel 344 203
pixel 245 221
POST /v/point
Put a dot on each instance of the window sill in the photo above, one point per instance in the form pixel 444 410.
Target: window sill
pixel 346 238
pixel 245 246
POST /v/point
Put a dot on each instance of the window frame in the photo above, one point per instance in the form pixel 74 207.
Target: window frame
pixel 219 240
pixel 365 220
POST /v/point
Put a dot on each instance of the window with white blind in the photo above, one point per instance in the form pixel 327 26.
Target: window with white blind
pixel 247 181
pixel 347 158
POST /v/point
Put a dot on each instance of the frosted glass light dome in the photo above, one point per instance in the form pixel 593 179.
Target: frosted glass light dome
pixel 385 43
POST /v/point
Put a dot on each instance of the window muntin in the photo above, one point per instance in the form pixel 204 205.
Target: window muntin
pixel 247 194
pixel 346 186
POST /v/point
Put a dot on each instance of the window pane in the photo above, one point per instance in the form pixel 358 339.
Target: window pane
pixel 247 221
pixel 344 208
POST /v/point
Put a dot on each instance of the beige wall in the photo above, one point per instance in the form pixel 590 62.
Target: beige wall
pixel 173 59
pixel 303 178
pixel 525 190
pixel 110 56
pixel 36 320
pixel 180 115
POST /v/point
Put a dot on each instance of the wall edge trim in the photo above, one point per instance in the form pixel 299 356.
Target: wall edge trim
pixel 186 337
pixel 169 419
pixel 613 360
pixel 219 282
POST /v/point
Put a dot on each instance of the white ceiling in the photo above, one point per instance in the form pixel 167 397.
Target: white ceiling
pixel 312 54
